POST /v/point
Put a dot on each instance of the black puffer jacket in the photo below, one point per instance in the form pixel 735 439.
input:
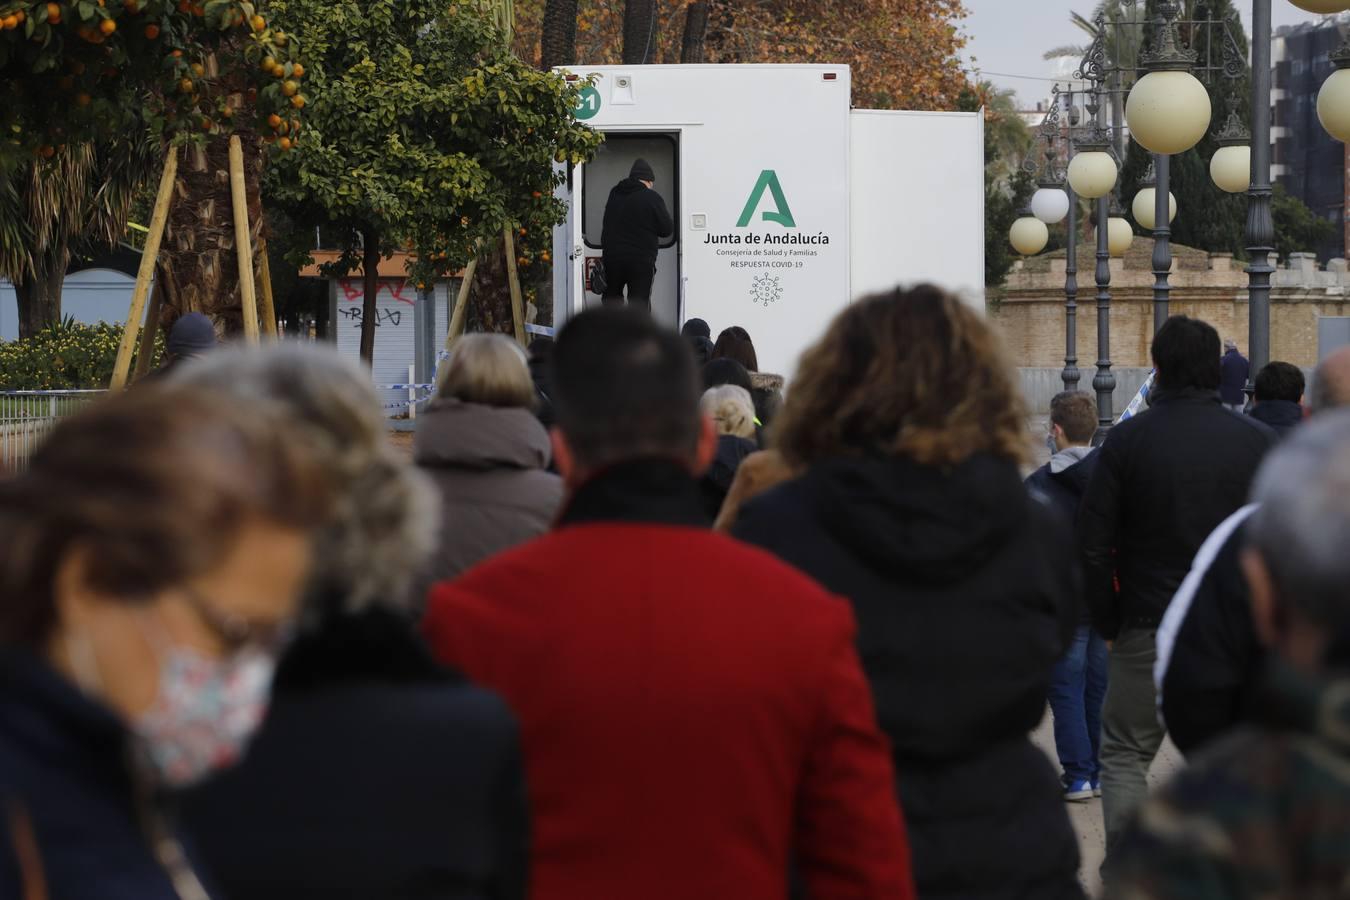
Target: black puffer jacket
pixel 1164 480
pixel 963 587
pixel 1282 415
pixel 636 219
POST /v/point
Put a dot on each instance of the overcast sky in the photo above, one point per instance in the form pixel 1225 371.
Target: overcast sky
pixel 1008 37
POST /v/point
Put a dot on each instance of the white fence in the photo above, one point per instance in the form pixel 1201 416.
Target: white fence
pixel 27 416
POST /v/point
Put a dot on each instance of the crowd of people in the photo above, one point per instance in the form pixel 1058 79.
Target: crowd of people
pixel 636 621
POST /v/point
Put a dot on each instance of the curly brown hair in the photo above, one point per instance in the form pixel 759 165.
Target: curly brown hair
pixel 909 373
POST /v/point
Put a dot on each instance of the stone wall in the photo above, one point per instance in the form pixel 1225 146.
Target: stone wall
pixel 1212 287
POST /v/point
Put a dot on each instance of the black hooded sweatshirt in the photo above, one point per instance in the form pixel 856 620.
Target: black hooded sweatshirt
pixel 636 219
pixel 964 589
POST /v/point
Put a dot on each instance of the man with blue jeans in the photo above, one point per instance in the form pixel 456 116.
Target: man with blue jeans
pixel 1078 683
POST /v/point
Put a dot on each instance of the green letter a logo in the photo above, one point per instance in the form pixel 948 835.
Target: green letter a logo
pixel 768 180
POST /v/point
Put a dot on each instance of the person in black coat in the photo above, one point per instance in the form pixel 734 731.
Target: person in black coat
pixel 636 219
pixel 376 774
pixel 1078 684
pixel 1164 480
pixel 1210 659
pixel 152 554
pixel 963 585
pixel 1233 372
pixel 1279 397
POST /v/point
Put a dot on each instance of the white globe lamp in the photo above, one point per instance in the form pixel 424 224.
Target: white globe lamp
pixel 1168 112
pixel 1325 7
pixel 1145 208
pixel 1050 204
pixel 1028 235
pixel 1333 101
pixel 1119 236
pixel 1092 173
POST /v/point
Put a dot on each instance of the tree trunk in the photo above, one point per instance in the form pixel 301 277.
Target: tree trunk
pixel 695 32
pixel 39 295
pixel 491 295
pixel 558 42
pixel 199 264
pixel 639 31
pixel 370 267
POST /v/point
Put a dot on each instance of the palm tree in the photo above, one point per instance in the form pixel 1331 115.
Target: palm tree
pixel 51 209
pixel 639 31
pixel 558 42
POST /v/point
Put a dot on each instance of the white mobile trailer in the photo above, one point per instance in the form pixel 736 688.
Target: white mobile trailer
pixel 787 203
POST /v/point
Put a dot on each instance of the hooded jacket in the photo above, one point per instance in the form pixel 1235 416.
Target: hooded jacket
pixel 636 219
pixel 1061 482
pixel 963 587
pixel 490 465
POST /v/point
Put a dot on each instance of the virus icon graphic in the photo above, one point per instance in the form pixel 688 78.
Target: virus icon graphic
pixel 766 289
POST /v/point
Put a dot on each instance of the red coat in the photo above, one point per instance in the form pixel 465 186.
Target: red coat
pixel 693 714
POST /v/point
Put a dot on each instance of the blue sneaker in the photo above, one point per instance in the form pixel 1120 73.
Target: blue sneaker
pixel 1078 791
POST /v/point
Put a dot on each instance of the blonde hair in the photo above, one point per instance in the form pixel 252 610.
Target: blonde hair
pixel 731 409
pixel 490 369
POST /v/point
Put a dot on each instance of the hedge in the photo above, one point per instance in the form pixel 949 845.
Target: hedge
pixel 66 356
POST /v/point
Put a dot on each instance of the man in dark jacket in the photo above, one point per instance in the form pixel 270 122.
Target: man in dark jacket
pixel 1279 396
pixel 1164 479
pixel 1261 813
pixel 1078 683
pixel 636 219
pixel 693 711
pixel 1209 658
pixel 1233 372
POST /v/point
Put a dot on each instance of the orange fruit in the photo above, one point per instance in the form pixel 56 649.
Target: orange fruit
pixel 198 69
pixel 298 71
pixel 279 38
pixel 290 88
pixel 54 13
pixel 47 151
pixel 258 23
pixel 274 120
pixel 132 7
pixel 177 54
pixel 83 99
pixel 186 86
pixel 107 26
pixel 151 32
pixel 298 101
pixel 267 64
pixel 10 22
pixel 284 143
pixel 21 15
pixel 206 124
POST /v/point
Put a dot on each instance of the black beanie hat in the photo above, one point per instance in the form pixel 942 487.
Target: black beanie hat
pixel 642 171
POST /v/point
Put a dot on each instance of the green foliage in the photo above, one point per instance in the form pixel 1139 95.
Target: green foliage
pixel 63 356
pixel 425 131
pixel 1007 187
pixel 1297 228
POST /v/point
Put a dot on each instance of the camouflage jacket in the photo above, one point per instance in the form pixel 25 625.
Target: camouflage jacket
pixel 1264 813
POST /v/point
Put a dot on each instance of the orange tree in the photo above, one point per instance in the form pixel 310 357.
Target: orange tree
pixel 905 54
pixel 188 73
pixel 427 134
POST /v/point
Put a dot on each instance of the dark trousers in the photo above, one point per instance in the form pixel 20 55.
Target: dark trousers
pixel 632 273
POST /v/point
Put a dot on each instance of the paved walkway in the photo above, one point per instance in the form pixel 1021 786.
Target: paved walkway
pixel 1087 817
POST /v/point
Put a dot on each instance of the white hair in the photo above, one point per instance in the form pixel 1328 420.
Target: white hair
pixel 385 525
pixel 731 408
pixel 1302 527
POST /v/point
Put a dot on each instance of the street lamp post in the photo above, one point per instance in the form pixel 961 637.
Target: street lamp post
pixel 1162 239
pixel 1260 224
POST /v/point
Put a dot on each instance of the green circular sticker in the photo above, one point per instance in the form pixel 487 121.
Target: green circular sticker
pixel 588 103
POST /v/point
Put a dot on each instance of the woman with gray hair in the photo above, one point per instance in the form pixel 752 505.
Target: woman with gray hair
pixel 377 773
pixel 732 411
pixel 482 445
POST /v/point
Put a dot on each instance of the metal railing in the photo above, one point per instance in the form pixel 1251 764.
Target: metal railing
pixel 26 417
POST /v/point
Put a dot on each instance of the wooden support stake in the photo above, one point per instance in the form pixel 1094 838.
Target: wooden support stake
pixel 461 304
pixel 158 219
pixel 269 309
pixel 513 280
pixel 243 246
pixel 147 348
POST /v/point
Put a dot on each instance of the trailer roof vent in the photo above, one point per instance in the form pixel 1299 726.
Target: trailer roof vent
pixel 831 76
